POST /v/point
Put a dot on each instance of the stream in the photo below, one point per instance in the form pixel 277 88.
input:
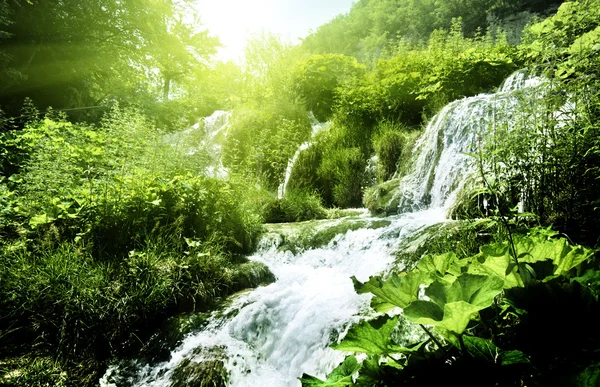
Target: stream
pixel 271 335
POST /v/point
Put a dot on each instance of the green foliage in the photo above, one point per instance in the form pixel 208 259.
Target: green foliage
pixel 75 305
pixel 318 79
pixel 334 166
pixel 457 293
pixel 589 377
pixel 547 156
pixel 81 55
pixel 339 377
pixel 262 139
pixel 112 229
pixel 344 168
pixel 393 145
pixel 372 27
pixel 267 124
pixel 422 79
pixel 112 187
pixel 294 207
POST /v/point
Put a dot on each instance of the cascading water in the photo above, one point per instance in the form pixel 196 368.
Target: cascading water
pixel 206 139
pixel 272 335
pixel 316 128
pixel 442 163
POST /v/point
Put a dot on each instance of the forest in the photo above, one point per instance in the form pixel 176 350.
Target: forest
pixel 123 211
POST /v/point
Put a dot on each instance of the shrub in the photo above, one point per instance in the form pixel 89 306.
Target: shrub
pixel 296 206
pixel 389 142
pixel 110 188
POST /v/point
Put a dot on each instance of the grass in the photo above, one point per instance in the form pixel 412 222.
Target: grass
pixel 66 303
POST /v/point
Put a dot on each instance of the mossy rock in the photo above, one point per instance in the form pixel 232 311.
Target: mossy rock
pixel 210 372
pixel 383 199
pixel 461 237
pixel 315 234
pixel 251 275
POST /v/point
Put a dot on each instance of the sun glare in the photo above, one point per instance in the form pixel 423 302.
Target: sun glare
pixel 234 21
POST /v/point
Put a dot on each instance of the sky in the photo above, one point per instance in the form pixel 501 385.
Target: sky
pixel 234 21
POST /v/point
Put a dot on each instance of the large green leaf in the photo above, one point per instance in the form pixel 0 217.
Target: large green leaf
pixel 590 377
pixel 564 256
pixel 477 290
pixel 370 372
pixel 370 337
pixel 508 358
pixel 481 348
pixel 424 312
pixel 373 338
pixel 396 291
pixel 452 306
pixel 457 316
pixel 497 265
pixel 339 377
pixel 590 280
pixel 439 265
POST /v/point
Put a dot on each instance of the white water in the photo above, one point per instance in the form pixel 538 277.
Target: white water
pixel 206 139
pixel 316 128
pixel 442 162
pixel 283 330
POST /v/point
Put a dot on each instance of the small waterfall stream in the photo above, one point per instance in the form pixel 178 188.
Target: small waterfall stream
pixel 441 163
pixel 274 334
pixel 205 138
pixel 316 128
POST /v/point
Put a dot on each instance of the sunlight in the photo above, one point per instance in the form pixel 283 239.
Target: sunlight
pixel 234 21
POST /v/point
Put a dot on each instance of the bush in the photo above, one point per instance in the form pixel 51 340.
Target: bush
pixel 296 206
pixel 389 143
pixel 111 188
pixel 334 167
pixel 263 137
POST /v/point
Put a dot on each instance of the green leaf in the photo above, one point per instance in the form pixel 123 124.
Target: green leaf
pixel 497 266
pixel 476 289
pixel 38 220
pixel 424 312
pixel 373 338
pixel 574 258
pixel 370 372
pixel 481 348
pixel 438 264
pixel 513 357
pixel 457 316
pixel 396 291
pixel 590 377
pixel 339 377
pixel 590 280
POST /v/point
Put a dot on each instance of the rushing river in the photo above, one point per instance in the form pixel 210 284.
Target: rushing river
pixel 270 336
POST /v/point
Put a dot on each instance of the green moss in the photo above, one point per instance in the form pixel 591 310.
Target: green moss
pixel 461 237
pixel 383 199
pixel 337 213
pixel 210 372
pixel 311 235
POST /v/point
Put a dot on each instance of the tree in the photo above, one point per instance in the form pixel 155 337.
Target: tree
pixel 318 78
pixel 80 53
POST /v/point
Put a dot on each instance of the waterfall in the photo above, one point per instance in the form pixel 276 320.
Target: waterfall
pixel 215 127
pixel 316 128
pixel 270 336
pixel 441 163
pixel 205 139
